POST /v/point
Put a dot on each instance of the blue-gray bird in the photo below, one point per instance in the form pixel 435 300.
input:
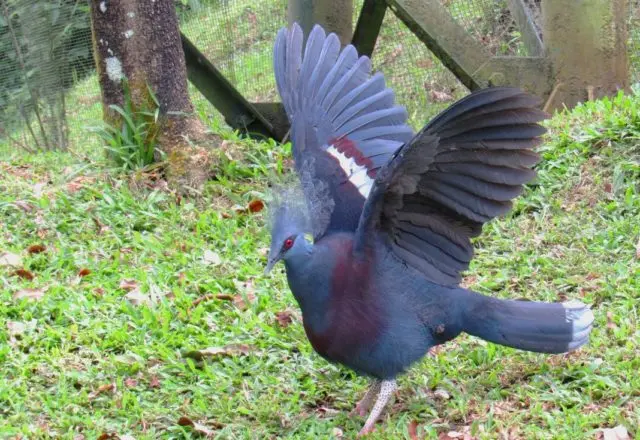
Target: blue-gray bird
pixel 391 215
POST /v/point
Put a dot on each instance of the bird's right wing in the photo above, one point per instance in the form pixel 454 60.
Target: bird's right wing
pixel 344 124
pixel 459 172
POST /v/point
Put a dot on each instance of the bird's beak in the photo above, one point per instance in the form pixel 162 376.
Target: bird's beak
pixel 271 262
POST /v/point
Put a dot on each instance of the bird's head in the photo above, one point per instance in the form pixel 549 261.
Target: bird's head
pixel 290 227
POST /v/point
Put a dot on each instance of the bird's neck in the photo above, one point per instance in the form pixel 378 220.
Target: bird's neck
pixel 309 285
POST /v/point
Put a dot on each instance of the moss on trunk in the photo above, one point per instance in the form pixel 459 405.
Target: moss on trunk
pixel 140 41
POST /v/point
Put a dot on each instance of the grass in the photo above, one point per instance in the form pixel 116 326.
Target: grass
pixel 134 283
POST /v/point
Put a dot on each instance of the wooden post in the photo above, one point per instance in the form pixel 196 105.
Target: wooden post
pixel 586 44
pixel 333 15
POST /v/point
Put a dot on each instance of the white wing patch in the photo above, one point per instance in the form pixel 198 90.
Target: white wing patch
pixel 357 174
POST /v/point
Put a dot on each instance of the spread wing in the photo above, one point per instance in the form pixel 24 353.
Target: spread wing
pixel 460 171
pixel 344 124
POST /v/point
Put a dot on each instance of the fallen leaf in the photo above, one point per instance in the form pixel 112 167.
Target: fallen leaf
pixel 24 273
pixel 617 433
pixel 37 189
pixel 33 294
pixel 108 436
pixel 102 228
pixel 216 352
pixel 226 215
pixel 197 427
pixel 9 259
pixel 440 96
pixel 36 249
pixel 413 430
pixel 130 382
pixel 211 258
pixel 154 382
pixel 608 187
pixel 127 437
pixel 611 325
pixel 15 328
pixel 128 285
pixel 77 183
pixel 137 298
pixel 284 318
pixel 337 432
pixel 441 394
pixel 25 206
pixel 256 206
pixel 83 272
pixel 246 287
pixel 102 389
pixel 98 291
pixel 79 437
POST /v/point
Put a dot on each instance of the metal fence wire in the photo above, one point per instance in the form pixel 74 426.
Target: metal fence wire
pixel 49 91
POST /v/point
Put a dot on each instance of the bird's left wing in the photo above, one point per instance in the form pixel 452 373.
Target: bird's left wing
pixel 459 172
pixel 344 124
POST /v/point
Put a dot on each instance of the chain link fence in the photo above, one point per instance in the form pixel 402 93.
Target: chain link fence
pixel 49 92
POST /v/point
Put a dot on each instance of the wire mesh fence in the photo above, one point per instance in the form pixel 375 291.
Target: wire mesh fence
pixel 49 92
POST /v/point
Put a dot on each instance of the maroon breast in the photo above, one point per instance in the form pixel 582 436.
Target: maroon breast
pixel 353 316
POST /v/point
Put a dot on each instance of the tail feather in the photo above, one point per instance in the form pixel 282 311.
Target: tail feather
pixel 527 325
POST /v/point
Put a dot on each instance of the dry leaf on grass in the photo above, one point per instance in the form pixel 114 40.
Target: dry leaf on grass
pixel 337 433
pixel 77 183
pixel 455 435
pixel 25 206
pixel 128 285
pixel 242 301
pixel 438 96
pixel 36 248
pixel 130 382
pixel 136 297
pixel 32 294
pixel 413 430
pixel 83 272
pixel 25 274
pixel 154 382
pixel 216 352
pixel 617 433
pixel 8 259
pixel 15 328
pixel 255 206
pixel 197 427
pixel 102 389
pixel 211 258
pixel 284 318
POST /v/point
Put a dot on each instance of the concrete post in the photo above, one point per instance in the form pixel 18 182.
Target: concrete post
pixel 585 41
pixel 333 15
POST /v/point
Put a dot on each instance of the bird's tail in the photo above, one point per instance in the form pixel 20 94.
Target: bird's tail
pixel 527 325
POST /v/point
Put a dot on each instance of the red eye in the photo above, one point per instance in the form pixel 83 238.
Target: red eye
pixel 288 243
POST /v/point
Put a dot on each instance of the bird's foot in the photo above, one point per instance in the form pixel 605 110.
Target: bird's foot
pixel 386 387
pixel 365 431
pixel 359 410
pixel 364 405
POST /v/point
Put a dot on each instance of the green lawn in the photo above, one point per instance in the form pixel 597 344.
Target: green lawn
pixel 104 331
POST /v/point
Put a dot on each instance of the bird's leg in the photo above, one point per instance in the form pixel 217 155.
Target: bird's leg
pixel 363 406
pixel 387 388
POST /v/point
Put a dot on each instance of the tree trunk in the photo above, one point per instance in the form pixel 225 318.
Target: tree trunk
pixel 140 41
pixel 333 15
